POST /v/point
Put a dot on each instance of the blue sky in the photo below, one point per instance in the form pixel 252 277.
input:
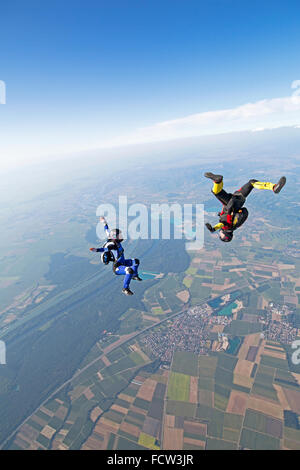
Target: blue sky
pixel 80 74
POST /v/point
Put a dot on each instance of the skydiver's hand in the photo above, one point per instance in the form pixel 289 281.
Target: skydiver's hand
pixel 93 249
pixel 210 228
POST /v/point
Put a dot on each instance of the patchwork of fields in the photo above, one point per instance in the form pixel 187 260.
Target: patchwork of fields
pixel 248 398
pixel 217 401
pixel 242 402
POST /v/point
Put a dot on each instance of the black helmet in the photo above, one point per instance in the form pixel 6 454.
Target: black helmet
pixel 107 256
pixel 116 235
pixel 226 235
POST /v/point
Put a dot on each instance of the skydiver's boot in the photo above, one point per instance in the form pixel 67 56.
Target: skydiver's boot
pixel 278 187
pixel 127 291
pixel 210 228
pixel 215 178
pixel 137 278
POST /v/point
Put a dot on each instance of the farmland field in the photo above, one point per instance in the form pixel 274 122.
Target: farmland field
pixel 179 387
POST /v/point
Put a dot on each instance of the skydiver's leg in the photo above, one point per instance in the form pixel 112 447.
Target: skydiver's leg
pixel 220 193
pixel 134 264
pixel 130 270
pixel 247 188
pixel 276 188
pixel 126 271
pixel 128 277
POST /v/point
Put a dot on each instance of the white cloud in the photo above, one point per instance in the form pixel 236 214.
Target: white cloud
pixel 258 129
pixel 260 115
pixel 22 147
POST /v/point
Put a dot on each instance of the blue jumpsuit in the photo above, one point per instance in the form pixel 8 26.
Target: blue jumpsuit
pixel 122 266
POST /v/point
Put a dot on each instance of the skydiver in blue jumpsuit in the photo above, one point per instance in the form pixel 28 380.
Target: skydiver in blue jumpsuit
pixel 121 266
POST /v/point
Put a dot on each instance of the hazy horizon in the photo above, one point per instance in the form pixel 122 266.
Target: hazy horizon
pixel 102 75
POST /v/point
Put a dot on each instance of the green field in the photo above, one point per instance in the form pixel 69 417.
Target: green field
pixel 231 435
pixel 178 408
pixel 185 362
pixel 179 387
pixel 242 328
pixel 220 401
pixel 218 444
pixel 258 441
pixel 157 311
pixel 206 383
pixel 187 281
pixel 207 366
pixel 148 441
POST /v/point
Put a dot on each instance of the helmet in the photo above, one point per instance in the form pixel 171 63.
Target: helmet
pixel 226 235
pixel 107 256
pixel 116 235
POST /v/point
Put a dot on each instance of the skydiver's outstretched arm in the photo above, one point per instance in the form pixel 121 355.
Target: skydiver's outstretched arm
pixel 101 250
pixel 98 250
pixel 215 227
pixel 102 219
